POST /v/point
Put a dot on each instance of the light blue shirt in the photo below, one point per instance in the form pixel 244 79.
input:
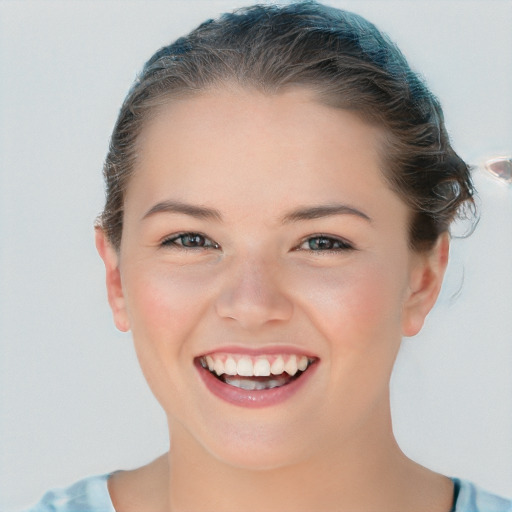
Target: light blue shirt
pixel 91 495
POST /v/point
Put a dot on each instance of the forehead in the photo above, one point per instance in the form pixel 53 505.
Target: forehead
pixel 250 149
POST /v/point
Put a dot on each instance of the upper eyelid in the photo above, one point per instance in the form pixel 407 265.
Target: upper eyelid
pixel 331 237
pixel 175 236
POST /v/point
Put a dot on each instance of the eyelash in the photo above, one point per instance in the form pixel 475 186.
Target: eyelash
pixel 172 242
pixel 342 245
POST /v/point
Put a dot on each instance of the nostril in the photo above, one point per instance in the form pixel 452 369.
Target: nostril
pixel 252 307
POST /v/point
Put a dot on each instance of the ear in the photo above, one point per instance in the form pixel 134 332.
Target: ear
pixel 425 282
pixel 115 293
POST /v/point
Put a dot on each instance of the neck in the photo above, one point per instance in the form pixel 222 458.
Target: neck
pixel 361 472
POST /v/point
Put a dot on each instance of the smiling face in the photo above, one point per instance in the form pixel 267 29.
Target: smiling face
pixel 260 242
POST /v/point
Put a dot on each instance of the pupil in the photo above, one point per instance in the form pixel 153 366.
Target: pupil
pixel 320 243
pixel 193 240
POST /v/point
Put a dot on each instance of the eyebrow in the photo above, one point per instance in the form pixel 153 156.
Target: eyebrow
pixel 317 212
pixel 299 214
pixel 199 212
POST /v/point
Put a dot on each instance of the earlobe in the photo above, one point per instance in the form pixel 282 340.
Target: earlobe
pixel 115 292
pixel 424 286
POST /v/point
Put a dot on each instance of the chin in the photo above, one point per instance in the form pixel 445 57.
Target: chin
pixel 250 444
pixel 257 456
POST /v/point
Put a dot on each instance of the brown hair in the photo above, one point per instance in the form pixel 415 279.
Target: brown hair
pixel 340 56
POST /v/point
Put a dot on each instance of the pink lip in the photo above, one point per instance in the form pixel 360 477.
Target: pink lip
pixel 253 398
pixel 260 351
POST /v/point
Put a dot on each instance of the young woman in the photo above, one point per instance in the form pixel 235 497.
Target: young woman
pixel 280 187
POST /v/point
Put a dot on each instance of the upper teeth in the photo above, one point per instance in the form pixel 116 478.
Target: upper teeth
pixel 259 366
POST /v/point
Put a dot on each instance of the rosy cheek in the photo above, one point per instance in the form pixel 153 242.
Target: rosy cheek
pixel 352 307
pixel 163 302
pixel 164 307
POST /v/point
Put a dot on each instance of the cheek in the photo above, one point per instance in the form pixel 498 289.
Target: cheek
pixel 355 299
pixel 358 316
pixel 163 301
pixel 358 312
pixel 164 308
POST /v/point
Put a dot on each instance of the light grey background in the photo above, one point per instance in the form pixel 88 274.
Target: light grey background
pixel 72 399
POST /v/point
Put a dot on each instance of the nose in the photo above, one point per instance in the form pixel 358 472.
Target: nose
pixel 253 295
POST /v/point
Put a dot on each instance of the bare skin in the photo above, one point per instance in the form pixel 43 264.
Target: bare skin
pixel 145 489
pixel 256 282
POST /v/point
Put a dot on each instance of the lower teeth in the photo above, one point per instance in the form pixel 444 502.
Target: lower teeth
pixel 252 384
pixel 255 383
pixel 258 383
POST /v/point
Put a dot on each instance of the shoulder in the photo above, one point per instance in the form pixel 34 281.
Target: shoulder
pixel 90 494
pixel 474 499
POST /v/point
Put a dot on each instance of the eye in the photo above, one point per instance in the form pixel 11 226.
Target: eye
pixel 190 241
pixel 323 243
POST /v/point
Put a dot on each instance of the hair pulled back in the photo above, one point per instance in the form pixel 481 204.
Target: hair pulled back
pixel 340 56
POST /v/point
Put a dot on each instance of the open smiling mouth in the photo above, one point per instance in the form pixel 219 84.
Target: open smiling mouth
pixel 256 373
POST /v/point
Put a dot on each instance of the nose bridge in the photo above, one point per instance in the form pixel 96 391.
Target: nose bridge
pixel 252 292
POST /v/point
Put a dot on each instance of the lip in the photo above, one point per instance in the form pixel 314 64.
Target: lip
pixel 260 351
pixel 253 398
